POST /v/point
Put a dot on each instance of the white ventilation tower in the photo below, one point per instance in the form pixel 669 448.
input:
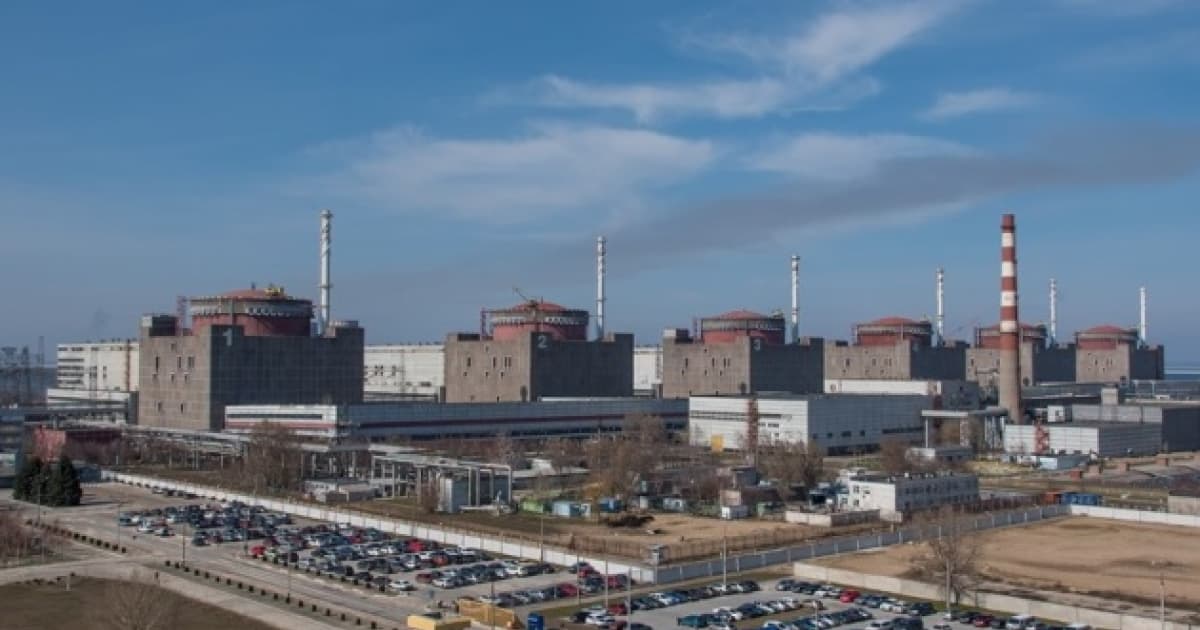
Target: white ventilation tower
pixel 795 299
pixel 1053 312
pixel 600 299
pixel 1142 338
pixel 323 317
pixel 941 306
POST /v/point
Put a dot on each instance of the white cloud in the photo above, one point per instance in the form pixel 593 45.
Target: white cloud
pixel 954 104
pixel 649 102
pixel 553 169
pixel 835 157
pixel 816 67
pixel 840 43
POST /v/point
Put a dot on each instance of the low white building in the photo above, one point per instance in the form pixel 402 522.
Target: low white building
pixel 1102 439
pixel 103 366
pixel 839 423
pixel 408 369
pixel 897 496
pixel 946 394
pixel 647 370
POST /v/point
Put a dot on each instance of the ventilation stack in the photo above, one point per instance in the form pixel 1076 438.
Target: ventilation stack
pixel 795 299
pixel 1009 382
pixel 1143 340
pixel 1053 312
pixel 941 307
pixel 323 311
pixel 601 250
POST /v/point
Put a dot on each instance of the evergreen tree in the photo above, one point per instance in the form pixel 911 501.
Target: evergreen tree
pixel 69 491
pixel 28 480
pixel 52 484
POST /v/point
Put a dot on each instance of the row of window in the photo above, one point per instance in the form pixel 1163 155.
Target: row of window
pixel 158 406
pixel 191 363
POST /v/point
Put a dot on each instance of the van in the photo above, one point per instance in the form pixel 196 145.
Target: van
pixel 1018 622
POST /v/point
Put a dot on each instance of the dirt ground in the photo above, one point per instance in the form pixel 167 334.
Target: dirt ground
pixel 1077 555
pixel 50 607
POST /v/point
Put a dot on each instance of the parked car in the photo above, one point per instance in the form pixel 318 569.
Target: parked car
pixel 693 621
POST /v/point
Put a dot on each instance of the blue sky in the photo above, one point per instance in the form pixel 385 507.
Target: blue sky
pixel 155 149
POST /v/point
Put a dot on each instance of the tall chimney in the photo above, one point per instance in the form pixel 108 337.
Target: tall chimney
pixel 600 299
pixel 325 286
pixel 1009 384
pixel 941 306
pixel 1142 338
pixel 795 299
pixel 1053 312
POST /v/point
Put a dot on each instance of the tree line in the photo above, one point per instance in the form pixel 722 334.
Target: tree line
pixel 54 484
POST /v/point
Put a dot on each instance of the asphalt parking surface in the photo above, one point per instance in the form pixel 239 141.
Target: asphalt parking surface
pixel 666 618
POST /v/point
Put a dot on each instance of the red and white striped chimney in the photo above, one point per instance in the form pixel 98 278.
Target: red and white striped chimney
pixel 1009 382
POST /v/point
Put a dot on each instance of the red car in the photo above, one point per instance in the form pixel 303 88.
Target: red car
pixel 258 550
pixel 617 609
pixel 848 596
pixel 982 621
pixel 567 589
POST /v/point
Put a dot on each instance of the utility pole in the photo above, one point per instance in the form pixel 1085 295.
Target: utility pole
pixel 119 503
pixel 542 536
pixel 606 583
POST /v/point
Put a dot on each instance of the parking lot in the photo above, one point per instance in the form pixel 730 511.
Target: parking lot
pixel 786 605
pixel 362 558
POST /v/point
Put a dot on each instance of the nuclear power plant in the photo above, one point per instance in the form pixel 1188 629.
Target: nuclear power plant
pixel 224 361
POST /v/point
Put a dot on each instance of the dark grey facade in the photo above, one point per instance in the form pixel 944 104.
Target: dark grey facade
pixel 187 380
pixel 743 366
pixel 1039 364
pixel 536 365
pixel 1180 421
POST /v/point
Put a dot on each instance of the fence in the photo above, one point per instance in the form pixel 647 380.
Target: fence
pixel 1137 516
pixel 516 547
pixel 844 544
pixel 988 601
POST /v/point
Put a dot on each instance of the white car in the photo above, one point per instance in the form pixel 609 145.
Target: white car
pixel 880 624
pixel 600 619
pixel 735 615
pixel 401 585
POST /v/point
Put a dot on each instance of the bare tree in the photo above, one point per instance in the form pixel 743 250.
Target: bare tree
pixel 504 450
pixel 427 496
pixel 273 459
pixel 137 604
pixel 792 463
pixel 16 542
pixel 952 554
pixel 893 457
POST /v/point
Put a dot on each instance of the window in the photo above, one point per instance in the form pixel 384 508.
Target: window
pixel 156 362
pixel 182 407
pixel 178 363
pixel 468 361
pixel 158 406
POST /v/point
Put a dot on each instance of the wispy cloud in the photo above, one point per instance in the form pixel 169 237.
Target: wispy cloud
pixel 955 104
pixel 553 169
pixel 815 67
pixel 1164 49
pixel 837 157
pixel 839 43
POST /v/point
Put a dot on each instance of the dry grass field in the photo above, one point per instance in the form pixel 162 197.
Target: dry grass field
pixel 1104 558
pixel 84 607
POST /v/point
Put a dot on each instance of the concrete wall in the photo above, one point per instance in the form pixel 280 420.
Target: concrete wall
pixel 1039 364
pixel 742 366
pixel 647 370
pixel 831 519
pixel 1178 504
pixel 990 601
pixel 902 361
pixel 535 365
pixel 1121 364
pixel 187 380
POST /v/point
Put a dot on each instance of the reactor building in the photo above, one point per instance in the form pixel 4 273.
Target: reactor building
pixel 533 350
pixel 1041 360
pixel 253 346
pixel 738 353
pixel 896 348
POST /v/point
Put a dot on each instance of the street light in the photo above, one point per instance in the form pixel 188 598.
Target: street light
pixel 119 504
